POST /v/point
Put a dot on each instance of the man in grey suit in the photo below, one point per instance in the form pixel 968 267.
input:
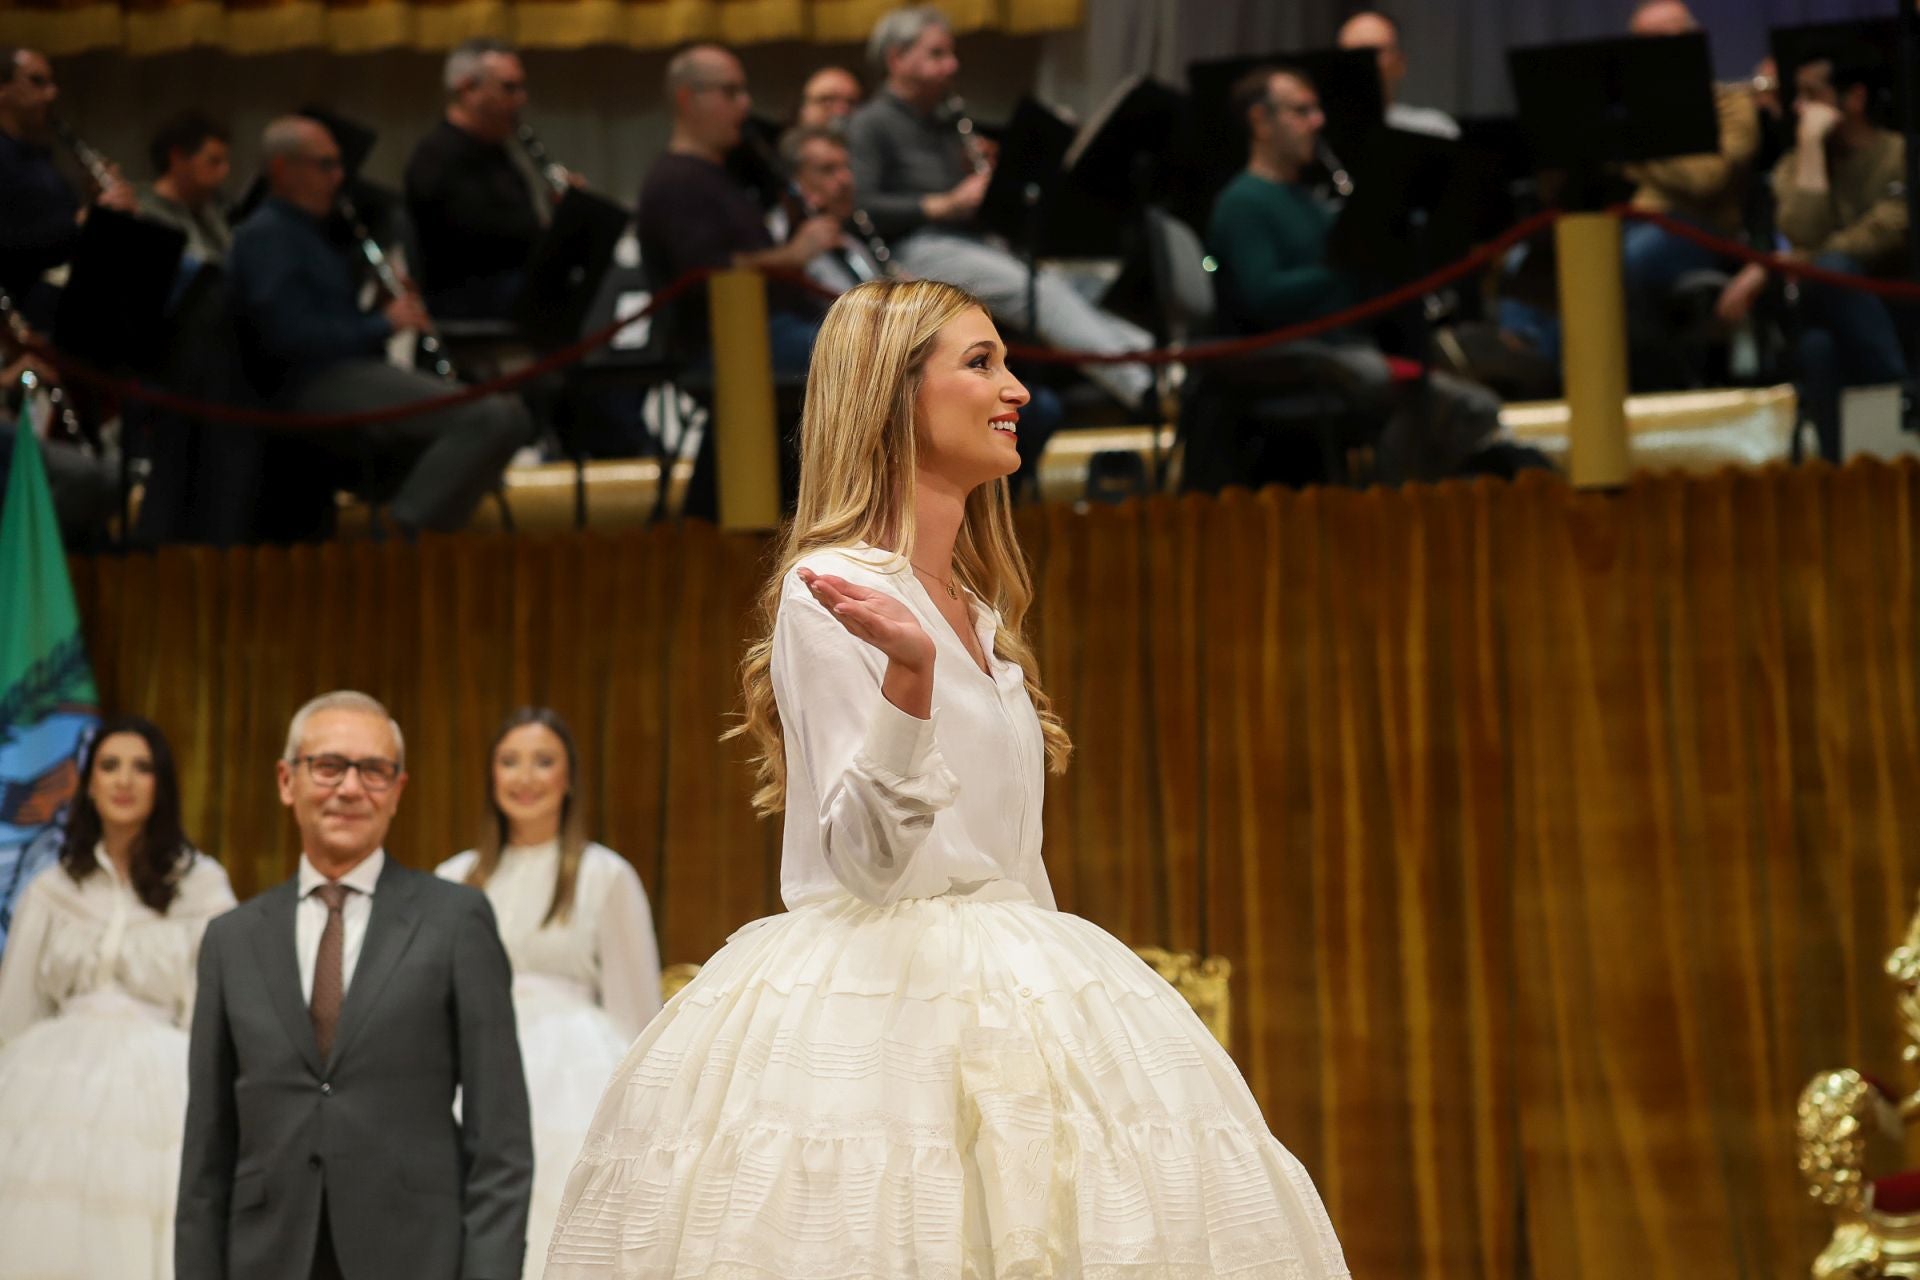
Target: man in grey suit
pixel 336 1016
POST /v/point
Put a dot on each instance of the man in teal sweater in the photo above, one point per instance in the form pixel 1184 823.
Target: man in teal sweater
pixel 1268 234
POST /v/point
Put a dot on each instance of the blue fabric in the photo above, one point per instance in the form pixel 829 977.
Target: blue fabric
pixel 1848 339
pixel 296 299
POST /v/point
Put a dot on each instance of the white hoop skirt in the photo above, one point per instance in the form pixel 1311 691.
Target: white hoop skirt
pixel 93 1106
pixel 939 1089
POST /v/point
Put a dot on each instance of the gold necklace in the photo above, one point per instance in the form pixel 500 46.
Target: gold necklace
pixel 952 594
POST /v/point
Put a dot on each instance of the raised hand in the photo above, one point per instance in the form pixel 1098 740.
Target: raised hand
pixel 888 625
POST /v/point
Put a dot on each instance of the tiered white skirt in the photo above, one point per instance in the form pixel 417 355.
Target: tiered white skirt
pixel 940 1089
pixel 93 1106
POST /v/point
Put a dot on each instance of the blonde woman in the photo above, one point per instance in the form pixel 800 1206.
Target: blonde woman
pixel 922 1069
pixel 579 932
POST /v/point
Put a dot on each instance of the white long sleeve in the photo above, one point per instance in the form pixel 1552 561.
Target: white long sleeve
pixel 629 954
pixel 882 805
pixel 22 1002
pixel 878 772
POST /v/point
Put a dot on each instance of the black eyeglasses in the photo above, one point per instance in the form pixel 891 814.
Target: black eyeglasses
pixel 376 773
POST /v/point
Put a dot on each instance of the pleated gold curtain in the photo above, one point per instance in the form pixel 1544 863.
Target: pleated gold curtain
pixel 358 26
pixel 1555 839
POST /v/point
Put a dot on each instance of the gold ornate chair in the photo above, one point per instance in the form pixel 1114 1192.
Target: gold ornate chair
pixel 1852 1131
pixel 1203 982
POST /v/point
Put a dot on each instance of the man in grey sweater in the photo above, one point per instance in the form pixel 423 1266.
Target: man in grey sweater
pixel 921 180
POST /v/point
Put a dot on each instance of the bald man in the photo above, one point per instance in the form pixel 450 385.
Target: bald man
pixel 309 347
pixel 694 214
pixel 1376 31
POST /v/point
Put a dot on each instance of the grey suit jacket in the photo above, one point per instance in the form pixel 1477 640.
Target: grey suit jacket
pixel 411 1193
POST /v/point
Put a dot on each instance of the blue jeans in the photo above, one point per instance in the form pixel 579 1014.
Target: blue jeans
pixel 1847 339
pixel 1653 259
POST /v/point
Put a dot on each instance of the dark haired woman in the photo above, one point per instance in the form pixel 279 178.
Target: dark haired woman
pixel 577 926
pixel 96 986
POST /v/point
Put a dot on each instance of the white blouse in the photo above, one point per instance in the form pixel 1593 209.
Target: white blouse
pixel 883 805
pixel 74 939
pixel 605 944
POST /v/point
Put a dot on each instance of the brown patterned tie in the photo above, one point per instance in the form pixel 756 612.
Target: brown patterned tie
pixel 327 977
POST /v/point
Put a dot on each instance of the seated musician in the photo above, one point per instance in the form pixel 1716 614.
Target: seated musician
pixel 923 188
pixel 693 214
pixel 191 161
pixel 1841 196
pixel 476 218
pixel 41 220
pixel 1268 234
pixel 311 349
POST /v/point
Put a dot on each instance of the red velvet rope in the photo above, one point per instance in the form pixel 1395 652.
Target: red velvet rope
pixel 1221 349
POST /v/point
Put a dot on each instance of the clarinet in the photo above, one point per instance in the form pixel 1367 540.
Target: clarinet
pixel 1336 172
pixel 969 137
pixel 876 244
pixel 97 166
pixel 390 281
pixel 32 383
pixel 536 150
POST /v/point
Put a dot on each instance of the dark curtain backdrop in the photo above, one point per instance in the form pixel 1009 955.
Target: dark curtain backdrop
pixel 1555 839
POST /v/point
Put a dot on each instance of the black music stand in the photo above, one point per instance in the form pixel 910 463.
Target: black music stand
pixel 568 264
pixel 1423 202
pixel 112 311
pixel 1593 104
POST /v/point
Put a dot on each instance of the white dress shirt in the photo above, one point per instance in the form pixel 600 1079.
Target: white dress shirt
pixel 605 945
pixel 310 918
pixel 881 805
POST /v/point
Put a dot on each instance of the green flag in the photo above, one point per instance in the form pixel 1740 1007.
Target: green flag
pixel 48 704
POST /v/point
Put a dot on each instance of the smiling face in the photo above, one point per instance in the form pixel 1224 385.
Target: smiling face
pixel 122 784
pixel 531 780
pixel 967 406
pixel 342 822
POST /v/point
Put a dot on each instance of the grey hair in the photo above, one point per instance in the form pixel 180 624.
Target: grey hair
pixel 794 141
pixel 341 700
pixel 286 137
pixel 464 63
pixel 899 29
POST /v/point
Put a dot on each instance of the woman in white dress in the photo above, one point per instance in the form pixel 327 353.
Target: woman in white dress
pixel 96 989
pixel 579 931
pixel 922 1068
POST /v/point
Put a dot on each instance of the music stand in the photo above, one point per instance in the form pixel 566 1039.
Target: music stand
pixel 1592 104
pixel 568 263
pixel 1423 202
pixel 112 311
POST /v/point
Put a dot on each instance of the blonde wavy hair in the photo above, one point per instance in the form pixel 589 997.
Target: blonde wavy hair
pixel 858 449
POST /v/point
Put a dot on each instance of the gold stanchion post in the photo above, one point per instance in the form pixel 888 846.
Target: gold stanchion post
pixel 1593 326
pixel 746 440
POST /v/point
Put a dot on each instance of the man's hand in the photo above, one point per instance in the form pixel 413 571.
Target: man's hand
pixel 815 236
pixel 960 203
pixel 407 314
pixel 1817 120
pixel 1737 299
